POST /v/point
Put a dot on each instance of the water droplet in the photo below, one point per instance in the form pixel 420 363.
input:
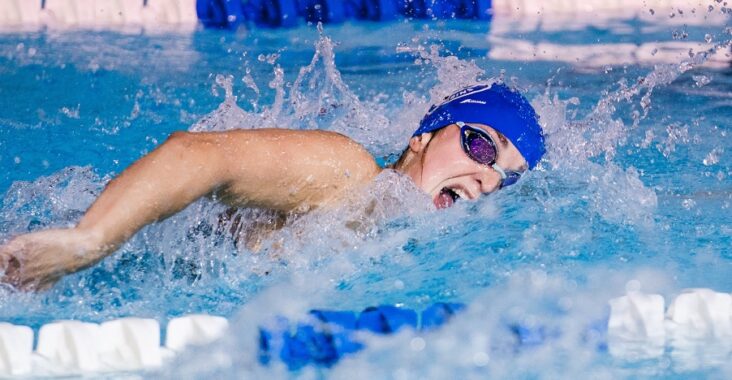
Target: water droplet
pixel 701 80
pixel 417 344
pixel 688 203
pixel 679 34
pixel 712 157
pixel 708 38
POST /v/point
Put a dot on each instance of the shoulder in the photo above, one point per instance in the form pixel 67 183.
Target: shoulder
pixel 301 143
pixel 348 152
pixel 311 150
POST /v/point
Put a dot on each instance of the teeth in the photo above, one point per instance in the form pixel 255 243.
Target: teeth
pixel 460 193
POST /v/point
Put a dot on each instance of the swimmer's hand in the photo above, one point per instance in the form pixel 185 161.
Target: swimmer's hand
pixel 38 260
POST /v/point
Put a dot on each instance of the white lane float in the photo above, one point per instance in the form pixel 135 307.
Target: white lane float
pixel 637 316
pixel 197 329
pixel 638 327
pixel 67 348
pixel 16 346
pixel 701 313
pixel 131 343
pixel 71 346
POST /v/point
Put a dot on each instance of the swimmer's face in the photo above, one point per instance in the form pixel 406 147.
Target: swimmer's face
pixel 443 170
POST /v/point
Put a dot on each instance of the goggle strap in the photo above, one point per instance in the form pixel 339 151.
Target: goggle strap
pixel 500 171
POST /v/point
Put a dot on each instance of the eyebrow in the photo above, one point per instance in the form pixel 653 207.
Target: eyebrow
pixel 504 145
pixel 502 139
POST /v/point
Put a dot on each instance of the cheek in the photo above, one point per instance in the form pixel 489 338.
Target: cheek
pixel 444 164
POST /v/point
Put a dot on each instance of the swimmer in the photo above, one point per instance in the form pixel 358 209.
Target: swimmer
pixel 478 140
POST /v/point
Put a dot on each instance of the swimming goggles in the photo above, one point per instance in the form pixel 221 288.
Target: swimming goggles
pixel 481 148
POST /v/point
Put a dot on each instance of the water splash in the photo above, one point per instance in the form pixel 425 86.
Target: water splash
pixel 317 99
pixel 53 201
pixel 402 252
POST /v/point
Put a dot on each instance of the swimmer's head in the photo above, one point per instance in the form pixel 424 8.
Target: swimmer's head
pixel 506 111
pixel 476 141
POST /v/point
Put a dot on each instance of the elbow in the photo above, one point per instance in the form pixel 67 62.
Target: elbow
pixel 180 138
pixel 197 153
pixel 185 144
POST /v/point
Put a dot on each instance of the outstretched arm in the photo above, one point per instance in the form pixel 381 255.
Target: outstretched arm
pixel 278 169
pixel 172 176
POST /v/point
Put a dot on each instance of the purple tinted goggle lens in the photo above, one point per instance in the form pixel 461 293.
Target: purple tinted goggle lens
pixel 481 148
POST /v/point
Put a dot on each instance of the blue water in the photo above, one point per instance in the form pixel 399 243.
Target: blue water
pixel 634 192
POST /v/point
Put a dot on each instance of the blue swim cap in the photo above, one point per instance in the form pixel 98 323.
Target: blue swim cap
pixel 497 106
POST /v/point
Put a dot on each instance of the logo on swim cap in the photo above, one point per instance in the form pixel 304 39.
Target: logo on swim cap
pixel 497 106
pixel 472 101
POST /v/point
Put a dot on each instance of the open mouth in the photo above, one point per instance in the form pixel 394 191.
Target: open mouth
pixel 446 198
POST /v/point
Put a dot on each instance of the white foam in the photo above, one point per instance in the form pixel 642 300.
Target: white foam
pixel 194 330
pixel 16 346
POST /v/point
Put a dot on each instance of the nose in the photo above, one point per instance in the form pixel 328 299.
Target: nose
pixel 489 180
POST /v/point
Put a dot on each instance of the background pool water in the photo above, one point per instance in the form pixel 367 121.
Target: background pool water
pixel 635 192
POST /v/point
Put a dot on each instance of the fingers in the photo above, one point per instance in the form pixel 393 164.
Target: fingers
pixel 36 261
pixel 13 267
pixel 12 271
pixel 9 263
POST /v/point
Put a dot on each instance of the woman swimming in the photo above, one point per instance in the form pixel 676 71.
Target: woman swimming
pixel 478 140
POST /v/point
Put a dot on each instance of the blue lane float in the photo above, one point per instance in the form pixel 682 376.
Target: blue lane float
pixel 230 14
pixel 328 335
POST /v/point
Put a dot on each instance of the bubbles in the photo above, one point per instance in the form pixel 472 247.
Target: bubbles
pixel 688 204
pixel 72 113
pixel 56 200
pixel 712 157
pixel 701 80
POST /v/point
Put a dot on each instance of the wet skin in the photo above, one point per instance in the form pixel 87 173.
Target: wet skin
pixel 283 170
pixel 436 161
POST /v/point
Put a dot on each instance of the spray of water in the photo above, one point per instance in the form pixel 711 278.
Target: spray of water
pixel 385 244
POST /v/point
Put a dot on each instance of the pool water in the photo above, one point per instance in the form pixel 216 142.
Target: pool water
pixel 635 192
